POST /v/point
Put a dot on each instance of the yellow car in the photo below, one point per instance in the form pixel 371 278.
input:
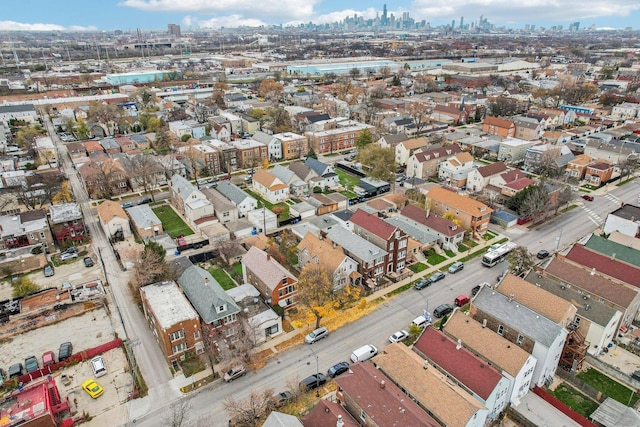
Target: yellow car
pixel 92 388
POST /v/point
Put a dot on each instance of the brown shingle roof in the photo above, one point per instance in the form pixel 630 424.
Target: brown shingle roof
pixel 549 305
pixel 498 122
pixel 415 143
pixel 109 209
pixel 454 200
pixel 450 404
pixel 492 169
pixel 328 256
pixel 501 352
pixel 267 269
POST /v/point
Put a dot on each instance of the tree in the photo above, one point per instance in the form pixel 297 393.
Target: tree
pixel 453 218
pixel 503 106
pixel 419 114
pixel 312 153
pixel 178 414
pixel 536 202
pixel 565 195
pixel 381 162
pixel 144 98
pixel 194 160
pixel 109 115
pixel 271 90
pixel 24 286
pixel 64 195
pixel 520 260
pixel 162 143
pixel 628 167
pixel 144 171
pixel 354 73
pixel 26 137
pixel 82 131
pixel 364 138
pixel 281 122
pixel 315 291
pixel 151 267
pixel 250 411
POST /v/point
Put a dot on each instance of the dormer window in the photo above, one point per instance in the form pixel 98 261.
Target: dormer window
pixel 221 308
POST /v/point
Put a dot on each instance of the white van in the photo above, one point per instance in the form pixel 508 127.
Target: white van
pixel 363 353
pixel 422 321
pixel 98 366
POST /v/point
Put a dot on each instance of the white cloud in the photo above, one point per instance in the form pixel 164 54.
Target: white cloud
pixel 21 26
pixel 229 21
pixel 338 16
pixel 531 11
pixel 274 10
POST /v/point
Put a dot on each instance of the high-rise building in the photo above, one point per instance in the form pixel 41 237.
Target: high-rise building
pixel 461 22
pixel 385 20
pixel 173 30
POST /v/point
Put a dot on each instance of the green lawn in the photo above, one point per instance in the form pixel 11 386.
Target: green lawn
pixel 282 216
pixel 608 386
pixel 449 253
pixel 462 247
pixel 575 400
pixel 171 222
pixel 346 179
pixel 418 267
pixel 435 259
pixel 223 278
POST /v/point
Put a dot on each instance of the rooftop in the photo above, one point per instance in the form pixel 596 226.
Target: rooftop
pixel 168 304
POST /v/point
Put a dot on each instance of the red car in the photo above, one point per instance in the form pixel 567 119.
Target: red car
pixel 588 197
pixel 48 358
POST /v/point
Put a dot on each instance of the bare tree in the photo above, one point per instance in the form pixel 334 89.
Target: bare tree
pixel 144 171
pixel 520 260
pixel 536 202
pixel 195 161
pixel 565 195
pixel 250 411
pixel 420 115
pixel 177 414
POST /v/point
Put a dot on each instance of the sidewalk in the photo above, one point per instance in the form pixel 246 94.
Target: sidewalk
pixel 272 343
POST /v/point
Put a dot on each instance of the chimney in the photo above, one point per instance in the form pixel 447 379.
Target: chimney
pixel 459 345
pixel 593 271
pixel 333 244
pixel 268 257
pixel 339 423
pixel 484 323
pixel 511 295
pixel 613 256
pixel 382 384
pixel 206 281
pixel 425 365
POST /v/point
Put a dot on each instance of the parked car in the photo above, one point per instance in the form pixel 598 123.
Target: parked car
pixel 3 376
pixel 475 290
pixel 70 250
pixel 144 201
pixel 98 367
pixel 422 321
pixel 313 381
pixel 67 256
pixel 542 254
pixel 363 353
pixel 235 372
pixel 443 310
pixel 455 267
pixel 636 375
pixel 421 284
pixel 337 369
pixel 462 300
pixel 126 205
pixel 88 262
pixel 48 358
pixel 92 388
pixel 588 197
pixel 31 364
pixel 437 276
pixel 399 336
pixel 48 271
pixel 316 335
pixel 15 370
pixel 281 399
pixel 65 351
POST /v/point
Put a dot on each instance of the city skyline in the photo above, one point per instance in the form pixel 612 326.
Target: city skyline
pixel 79 15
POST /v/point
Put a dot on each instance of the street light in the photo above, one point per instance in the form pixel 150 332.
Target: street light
pixel 317 372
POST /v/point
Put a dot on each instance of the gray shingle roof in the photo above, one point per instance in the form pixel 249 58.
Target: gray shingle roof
pixel 316 165
pixel 182 187
pixel 516 316
pixel 283 174
pixel 416 232
pixel 359 247
pixel 231 192
pixel 143 216
pixel 206 294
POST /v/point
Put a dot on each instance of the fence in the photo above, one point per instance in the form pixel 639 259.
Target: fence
pixel 572 378
pixel 563 408
pixel 351 170
pixel 613 372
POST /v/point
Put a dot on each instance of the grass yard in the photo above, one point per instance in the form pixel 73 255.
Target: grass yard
pixel 608 386
pixel 223 278
pixel 435 259
pixel 462 247
pixel 417 267
pixel 449 253
pixel 346 179
pixel 171 222
pixel 574 399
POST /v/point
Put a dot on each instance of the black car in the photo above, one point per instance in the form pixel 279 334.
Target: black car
pixel 421 284
pixel 475 290
pixel 65 351
pixel 144 201
pixel 313 381
pixel 443 310
pixel 636 375
pixel 337 369
pixel 542 254
pixel 88 262
pixel 15 370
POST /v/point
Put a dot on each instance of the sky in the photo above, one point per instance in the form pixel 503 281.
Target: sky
pixel 104 15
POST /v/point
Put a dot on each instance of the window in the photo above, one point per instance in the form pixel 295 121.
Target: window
pixel 363 415
pixel 520 339
pixel 196 335
pixel 402 244
pixel 179 348
pixel 271 330
pixel 500 329
pixel 175 336
pixel 220 308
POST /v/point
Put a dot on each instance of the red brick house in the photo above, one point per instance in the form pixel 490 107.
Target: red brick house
pixel 598 172
pixel 67 223
pixel 497 126
pixel 274 282
pixel 384 235
pixel 104 179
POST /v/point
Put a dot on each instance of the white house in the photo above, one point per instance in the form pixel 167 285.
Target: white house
pixel 113 219
pixel 188 200
pixel 243 201
pixel 513 150
pixel 405 149
pixel 479 178
pixel 271 187
pixel 456 168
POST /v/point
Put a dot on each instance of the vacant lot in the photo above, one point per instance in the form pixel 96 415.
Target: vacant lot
pixel 171 222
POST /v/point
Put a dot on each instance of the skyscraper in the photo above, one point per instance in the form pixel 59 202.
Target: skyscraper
pixel 173 30
pixel 385 20
pixel 461 22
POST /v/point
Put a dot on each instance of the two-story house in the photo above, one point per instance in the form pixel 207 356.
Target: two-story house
pixel 26 229
pixel 425 163
pixel 513 150
pixel 275 283
pixel 473 215
pixel 625 220
pixel 269 186
pixel 513 362
pixel 293 145
pixel 498 126
pixel 599 172
pixel 454 169
pixel 479 178
pixel 341 268
pixel 240 199
pixel 259 320
pixel 577 167
pixel 384 235
pixel 448 233
pixel 187 200
pixel 113 220
pixel 485 383
pixel 223 209
pixel 173 320
pixel 327 177
pixel 524 327
pixel 405 149
pixel 105 178
pixel 66 223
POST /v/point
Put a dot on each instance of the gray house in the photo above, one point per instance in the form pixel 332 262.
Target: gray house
pixel 240 199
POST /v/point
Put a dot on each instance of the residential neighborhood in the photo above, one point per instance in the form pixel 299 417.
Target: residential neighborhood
pixel 449 229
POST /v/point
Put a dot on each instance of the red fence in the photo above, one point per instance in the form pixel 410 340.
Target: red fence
pixel 563 408
pixel 77 357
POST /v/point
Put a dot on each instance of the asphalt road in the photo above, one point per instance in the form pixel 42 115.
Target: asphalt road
pixel 397 313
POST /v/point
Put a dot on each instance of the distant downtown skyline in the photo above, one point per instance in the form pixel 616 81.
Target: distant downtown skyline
pixel 44 15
